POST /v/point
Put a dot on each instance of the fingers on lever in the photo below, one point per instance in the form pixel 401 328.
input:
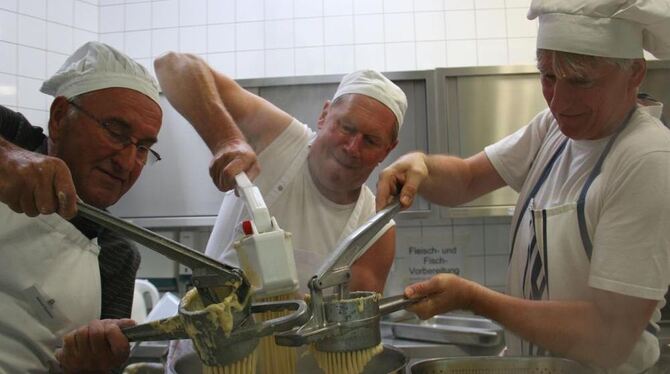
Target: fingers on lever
pixel 65 193
pixel 408 191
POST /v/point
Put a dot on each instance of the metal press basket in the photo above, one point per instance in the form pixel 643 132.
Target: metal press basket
pixel 498 365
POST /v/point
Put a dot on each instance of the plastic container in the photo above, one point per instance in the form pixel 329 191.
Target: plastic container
pixel 144 290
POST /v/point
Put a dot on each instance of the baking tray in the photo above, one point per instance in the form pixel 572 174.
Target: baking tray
pixel 448 329
pixel 498 365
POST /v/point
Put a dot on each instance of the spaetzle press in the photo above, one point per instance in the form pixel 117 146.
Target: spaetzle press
pixel 219 316
pixel 345 321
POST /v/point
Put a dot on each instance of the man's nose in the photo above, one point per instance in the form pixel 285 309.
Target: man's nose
pixel 353 145
pixel 562 96
pixel 126 158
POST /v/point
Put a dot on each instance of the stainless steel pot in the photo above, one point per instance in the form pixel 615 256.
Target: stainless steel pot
pixel 496 365
pixel 391 360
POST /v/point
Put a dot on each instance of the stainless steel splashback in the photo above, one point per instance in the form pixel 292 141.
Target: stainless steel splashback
pixel 451 110
pixel 479 107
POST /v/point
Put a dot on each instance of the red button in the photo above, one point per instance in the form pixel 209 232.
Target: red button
pixel 246 227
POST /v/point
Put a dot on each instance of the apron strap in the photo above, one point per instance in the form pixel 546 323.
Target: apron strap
pixel 533 192
pixel 581 203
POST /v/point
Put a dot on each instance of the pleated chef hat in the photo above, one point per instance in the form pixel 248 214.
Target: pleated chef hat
pixel 605 28
pixel 373 84
pixel 95 66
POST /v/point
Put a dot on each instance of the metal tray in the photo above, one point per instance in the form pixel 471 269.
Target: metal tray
pixel 498 365
pixel 448 329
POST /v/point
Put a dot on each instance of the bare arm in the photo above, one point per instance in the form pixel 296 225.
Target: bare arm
pixel 234 123
pixel 602 332
pixel 442 179
pixel 370 271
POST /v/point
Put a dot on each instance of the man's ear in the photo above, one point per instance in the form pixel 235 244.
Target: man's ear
pixel 322 116
pixel 390 148
pixel 639 71
pixel 57 117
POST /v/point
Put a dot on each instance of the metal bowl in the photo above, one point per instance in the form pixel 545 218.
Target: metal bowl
pixel 498 365
pixel 391 360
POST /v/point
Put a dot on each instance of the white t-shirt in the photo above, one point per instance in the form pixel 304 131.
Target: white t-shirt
pixel 627 207
pixel 317 224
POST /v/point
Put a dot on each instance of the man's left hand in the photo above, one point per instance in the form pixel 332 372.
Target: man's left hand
pixel 98 347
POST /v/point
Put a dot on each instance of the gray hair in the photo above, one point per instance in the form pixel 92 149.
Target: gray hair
pixel 73 114
pixel 566 63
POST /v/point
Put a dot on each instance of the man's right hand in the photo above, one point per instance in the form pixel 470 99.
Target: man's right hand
pixel 233 157
pixel 95 348
pixel 35 184
pixel 409 171
pixel 442 293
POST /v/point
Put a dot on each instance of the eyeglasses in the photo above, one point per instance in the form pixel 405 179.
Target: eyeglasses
pixel 117 135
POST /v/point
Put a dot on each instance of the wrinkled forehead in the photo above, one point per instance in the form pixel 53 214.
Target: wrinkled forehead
pixel 125 105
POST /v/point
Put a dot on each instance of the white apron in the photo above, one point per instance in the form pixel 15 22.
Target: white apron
pixel 552 242
pixel 49 285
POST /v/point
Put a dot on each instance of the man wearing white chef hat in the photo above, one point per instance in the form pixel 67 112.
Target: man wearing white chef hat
pixel 66 285
pixel 312 182
pixel 590 245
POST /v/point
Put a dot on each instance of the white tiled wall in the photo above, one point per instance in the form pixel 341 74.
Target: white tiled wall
pixel 35 38
pixel 271 38
pixel 263 38
pixel 484 243
pixel 260 38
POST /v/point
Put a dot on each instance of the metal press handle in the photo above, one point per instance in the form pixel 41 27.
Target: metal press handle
pixel 298 317
pixel 335 270
pixel 392 304
pixel 165 329
pixel 168 248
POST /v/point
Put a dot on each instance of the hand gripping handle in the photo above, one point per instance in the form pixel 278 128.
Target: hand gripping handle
pixel 252 196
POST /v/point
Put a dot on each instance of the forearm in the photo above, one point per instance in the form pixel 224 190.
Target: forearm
pixel 578 330
pixel 453 181
pixel 365 279
pixel 370 271
pixel 189 85
pixel 6 147
pixel 5 150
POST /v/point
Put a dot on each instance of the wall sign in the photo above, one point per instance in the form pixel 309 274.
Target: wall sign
pixel 424 252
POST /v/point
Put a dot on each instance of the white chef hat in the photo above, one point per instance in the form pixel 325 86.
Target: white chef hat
pixel 373 84
pixel 95 66
pixel 605 28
